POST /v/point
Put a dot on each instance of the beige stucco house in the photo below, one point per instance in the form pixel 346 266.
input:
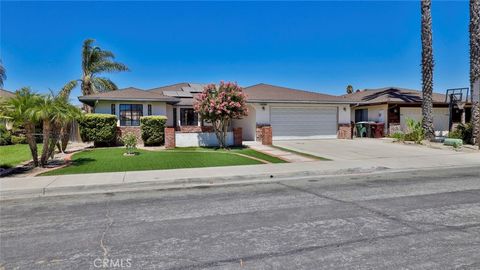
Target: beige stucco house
pixel 292 113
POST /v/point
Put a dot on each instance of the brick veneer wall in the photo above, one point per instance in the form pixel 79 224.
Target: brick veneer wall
pixel 122 131
pixel 193 129
pixel 237 136
pixel 169 137
pixel 344 131
pixel 259 132
pixel 267 135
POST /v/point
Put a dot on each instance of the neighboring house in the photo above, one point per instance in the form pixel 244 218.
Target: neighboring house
pixel 393 105
pixel 293 114
pixel 4 94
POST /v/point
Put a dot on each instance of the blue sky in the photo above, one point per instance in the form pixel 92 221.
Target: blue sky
pixel 319 46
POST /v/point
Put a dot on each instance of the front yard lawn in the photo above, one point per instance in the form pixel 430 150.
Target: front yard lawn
pixel 113 160
pixel 12 155
pixel 239 150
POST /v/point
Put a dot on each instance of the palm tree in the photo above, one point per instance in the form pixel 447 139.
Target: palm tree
pixel 427 69
pixel 349 89
pixel 66 128
pixel 54 112
pixel 18 110
pixel 3 74
pixel 94 62
pixel 475 66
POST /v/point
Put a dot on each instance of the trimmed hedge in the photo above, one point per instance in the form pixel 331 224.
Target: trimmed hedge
pixel 101 129
pixel 152 128
pixel 5 135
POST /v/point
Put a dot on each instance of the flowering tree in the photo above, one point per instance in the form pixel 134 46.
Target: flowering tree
pixel 219 105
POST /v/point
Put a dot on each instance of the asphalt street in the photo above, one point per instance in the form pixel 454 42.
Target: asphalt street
pixel 426 219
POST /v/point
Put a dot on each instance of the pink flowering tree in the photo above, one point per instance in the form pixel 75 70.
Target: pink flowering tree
pixel 220 104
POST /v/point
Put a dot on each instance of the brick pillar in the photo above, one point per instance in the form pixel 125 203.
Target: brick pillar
pixel 344 131
pixel 169 137
pixel 237 136
pixel 267 135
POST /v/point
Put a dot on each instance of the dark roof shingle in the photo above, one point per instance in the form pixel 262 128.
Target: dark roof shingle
pixel 391 95
pixel 271 93
pixel 129 93
pixel 6 94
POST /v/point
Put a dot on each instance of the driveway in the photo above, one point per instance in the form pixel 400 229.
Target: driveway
pixel 363 149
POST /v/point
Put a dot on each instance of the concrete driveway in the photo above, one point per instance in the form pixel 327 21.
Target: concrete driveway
pixel 364 149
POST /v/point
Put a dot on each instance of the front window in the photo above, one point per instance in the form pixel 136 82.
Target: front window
pixel 361 115
pixel 130 114
pixel 112 109
pixel 188 117
pixel 149 109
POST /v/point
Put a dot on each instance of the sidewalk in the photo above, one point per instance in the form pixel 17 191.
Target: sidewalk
pixel 183 178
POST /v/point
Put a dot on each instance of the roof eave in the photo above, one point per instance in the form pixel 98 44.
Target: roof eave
pixel 299 101
pixel 91 101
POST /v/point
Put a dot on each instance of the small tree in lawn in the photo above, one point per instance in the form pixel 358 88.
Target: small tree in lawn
pixel 219 105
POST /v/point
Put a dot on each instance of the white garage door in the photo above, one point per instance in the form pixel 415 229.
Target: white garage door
pixel 303 123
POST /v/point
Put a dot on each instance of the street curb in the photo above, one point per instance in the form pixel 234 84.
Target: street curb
pixel 187 183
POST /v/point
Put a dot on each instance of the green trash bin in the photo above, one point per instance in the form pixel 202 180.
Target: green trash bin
pixel 361 130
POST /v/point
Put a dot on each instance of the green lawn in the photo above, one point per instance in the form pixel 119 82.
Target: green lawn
pixel 112 160
pixel 240 150
pixel 12 155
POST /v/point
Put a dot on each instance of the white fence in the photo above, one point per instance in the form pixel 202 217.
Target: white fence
pixel 199 139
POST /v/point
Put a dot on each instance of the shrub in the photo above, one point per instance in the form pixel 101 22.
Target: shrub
pixel 20 139
pixel 463 131
pixel 5 135
pixel 130 142
pixel 398 136
pixel 101 129
pixel 415 131
pixel 152 128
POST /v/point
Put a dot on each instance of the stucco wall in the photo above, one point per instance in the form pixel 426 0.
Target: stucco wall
pixel 247 123
pixel 440 118
pixel 199 139
pixel 158 108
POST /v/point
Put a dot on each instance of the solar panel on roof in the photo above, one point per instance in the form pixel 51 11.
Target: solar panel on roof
pixel 170 93
pixel 183 94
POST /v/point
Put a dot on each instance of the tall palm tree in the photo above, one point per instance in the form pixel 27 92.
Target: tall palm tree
pixel 475 66
pixel 427 69
pixel 3 74
pixel 18 110
pixel 96 61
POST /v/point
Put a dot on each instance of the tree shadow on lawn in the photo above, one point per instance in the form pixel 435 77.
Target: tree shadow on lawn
pixel 82 161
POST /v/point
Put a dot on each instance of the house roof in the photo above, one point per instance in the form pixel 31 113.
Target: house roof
pixel 391 95
pixel 6 94
pixel 271 93
pixel 180 90
pixel 130 94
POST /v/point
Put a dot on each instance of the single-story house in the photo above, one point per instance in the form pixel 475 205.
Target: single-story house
pixel 4 94
pixel 292 113
pixel 393 105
